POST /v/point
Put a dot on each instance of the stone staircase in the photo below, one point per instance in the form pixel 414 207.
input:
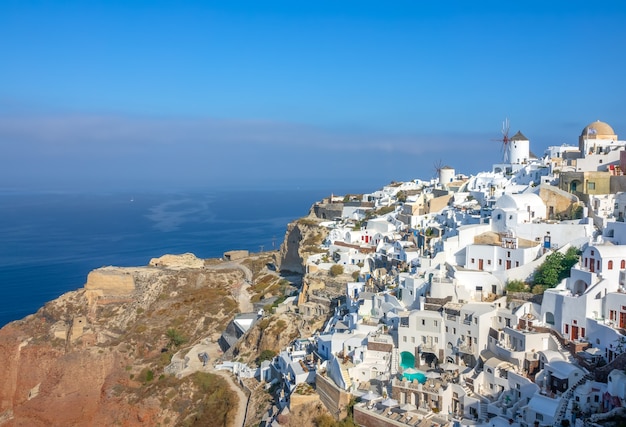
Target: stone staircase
pixel 484 411
pixel 346 378
pixel 394 361
pixel 565 398
pixel 566 352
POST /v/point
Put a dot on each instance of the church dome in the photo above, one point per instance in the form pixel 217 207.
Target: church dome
pixel 598 130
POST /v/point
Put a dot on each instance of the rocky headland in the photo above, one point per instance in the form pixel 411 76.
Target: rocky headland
pixel 122 350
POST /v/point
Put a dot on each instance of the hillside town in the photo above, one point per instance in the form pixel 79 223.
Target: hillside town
pixel 497 299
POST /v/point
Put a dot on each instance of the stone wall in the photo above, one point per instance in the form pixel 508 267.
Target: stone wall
pixel 328 210
pixel 235 255
pixel 177 262
pixel 335 399
pixel 363 417
pixel 109 281
pixel 559 200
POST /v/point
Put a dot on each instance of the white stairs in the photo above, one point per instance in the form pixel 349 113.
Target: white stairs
pixel 394 361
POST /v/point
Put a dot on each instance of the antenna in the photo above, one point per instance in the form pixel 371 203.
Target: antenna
pixel 505 141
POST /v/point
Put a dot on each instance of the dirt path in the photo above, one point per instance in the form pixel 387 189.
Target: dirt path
pixel 193 364
pixel 240 417
pixel 243 297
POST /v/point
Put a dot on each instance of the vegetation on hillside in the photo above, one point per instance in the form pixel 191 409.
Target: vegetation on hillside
pixel 554 269
pixel 336 270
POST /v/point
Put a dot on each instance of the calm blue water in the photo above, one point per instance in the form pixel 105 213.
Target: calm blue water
pixel 50 242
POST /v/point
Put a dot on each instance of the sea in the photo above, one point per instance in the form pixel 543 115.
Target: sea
pixel 50 241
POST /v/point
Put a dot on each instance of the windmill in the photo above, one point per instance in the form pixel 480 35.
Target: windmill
pixel 437 166
pixel 505 141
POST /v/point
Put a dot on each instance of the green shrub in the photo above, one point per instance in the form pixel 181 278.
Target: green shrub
pixel 336 270
pixel 266 355
pixel 516 286
pixel 176 339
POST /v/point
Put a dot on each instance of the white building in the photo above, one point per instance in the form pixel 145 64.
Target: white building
pixel 513 209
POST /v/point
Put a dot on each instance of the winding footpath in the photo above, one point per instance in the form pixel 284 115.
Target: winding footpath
pixel 245 306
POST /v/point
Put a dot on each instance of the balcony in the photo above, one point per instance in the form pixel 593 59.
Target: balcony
pixel 429 348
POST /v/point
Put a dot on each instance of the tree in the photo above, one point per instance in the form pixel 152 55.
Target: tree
pixel 569 260
pixel 549 272
pixel 401 196
pixel 556 267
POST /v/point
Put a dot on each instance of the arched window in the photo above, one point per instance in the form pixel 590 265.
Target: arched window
pixel 610 264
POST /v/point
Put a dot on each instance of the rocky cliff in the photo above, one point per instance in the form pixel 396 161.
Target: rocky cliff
pixel 102 355
pixel 96 356
pixel 302 239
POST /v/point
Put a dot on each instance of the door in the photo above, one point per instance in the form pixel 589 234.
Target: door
pixel 480 264
pixel 622 320
pixel 508 264
pixel 574 332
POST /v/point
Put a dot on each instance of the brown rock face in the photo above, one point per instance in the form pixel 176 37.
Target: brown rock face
pixel 302 239
pixel 44 386
pixel 96 356
pixel 271 333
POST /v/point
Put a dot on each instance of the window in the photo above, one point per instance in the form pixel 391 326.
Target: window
pixel 472 261
pixel 413 340
pixel 446 329
pixel 582 332
pixel 567 329
pixel 622 264
pixel 436 323
pixel 591 185
pixel 610 265
pixel 488 262
pixel 517 263
pixel 423 322
pixel 404 339
pixel 508 254
pixel 475 340
pixel 539 417
pixel 500 262
pixel 454 331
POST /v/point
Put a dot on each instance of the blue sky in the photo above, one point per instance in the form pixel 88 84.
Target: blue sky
pixel 317 94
